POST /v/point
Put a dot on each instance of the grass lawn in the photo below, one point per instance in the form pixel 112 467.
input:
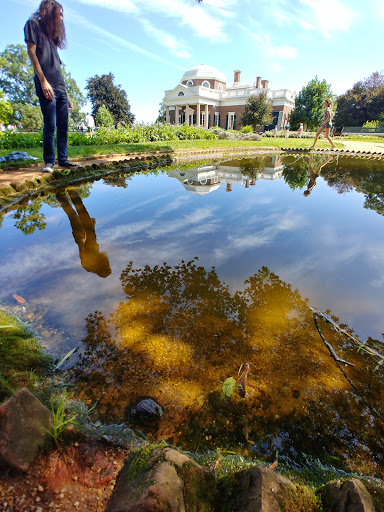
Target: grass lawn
pixel 83 151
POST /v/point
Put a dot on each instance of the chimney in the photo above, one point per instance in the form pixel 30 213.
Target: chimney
pixel 236 78
pixel 258 82
pixel 264 84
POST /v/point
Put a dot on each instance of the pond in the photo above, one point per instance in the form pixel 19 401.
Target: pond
pixel 169 281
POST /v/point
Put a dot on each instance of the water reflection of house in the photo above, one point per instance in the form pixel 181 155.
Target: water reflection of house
pixel 205 179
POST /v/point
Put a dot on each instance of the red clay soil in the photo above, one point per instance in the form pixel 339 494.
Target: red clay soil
pixel 80 476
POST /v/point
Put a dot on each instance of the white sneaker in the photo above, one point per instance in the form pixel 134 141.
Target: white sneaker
pixel 48 167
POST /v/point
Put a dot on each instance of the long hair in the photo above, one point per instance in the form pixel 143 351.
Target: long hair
pixel 330 105
pixel 49 16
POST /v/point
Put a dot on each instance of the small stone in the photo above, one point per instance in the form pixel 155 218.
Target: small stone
pixel 76 504
pixel 40 488
pixel 61 496
pixel 38 509
pixel 38 499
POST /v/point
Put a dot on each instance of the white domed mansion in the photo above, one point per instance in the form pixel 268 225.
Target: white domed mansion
pixel 204 98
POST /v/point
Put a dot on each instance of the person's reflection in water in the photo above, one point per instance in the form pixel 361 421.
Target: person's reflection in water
pixel 313 175
pixel 83 230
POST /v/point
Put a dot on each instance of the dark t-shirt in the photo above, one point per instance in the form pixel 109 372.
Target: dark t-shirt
pixel 46 52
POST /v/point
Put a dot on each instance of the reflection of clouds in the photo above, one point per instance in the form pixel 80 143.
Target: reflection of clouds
pixel 125 230
pixel 244 240
pixel 194 218
pixel 174 205
pixel 39 259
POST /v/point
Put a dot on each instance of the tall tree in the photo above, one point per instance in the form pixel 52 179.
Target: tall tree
pixel 103 117
pixel 16 80
pixel 309 108
pixel 29 116
pixel 161 116
pixel 103 91
pixel 258 111
pixel 16 75
pixel 5 109
pixel 363 102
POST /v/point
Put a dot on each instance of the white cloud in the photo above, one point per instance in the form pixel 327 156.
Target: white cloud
pixel 274 50
pixel 205 22
pixel 117 40
pixel 165 39
pixel 331 16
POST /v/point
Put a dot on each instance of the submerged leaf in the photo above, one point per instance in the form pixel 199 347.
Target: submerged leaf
pixel 19 299
pixel 229 386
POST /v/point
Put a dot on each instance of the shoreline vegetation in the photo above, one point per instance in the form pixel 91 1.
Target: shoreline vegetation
pixel 162 137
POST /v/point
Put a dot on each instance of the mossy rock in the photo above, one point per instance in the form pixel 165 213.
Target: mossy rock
pixel 377 494
pixel 22 361
pixel 157 477
pixel 6 191
pixel 300 498
pixel 19 187
pixel 30 184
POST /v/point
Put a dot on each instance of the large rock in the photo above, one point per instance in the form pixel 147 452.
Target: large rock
pixel 259 490
pixel 22 421
pixel 160 479
pixel 350 496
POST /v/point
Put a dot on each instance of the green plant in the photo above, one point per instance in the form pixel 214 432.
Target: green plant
pixel 371 124
pixel 231 384
pixel 246 129
pixel 59 421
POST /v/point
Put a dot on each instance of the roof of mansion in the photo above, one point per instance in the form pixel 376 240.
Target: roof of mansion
pixel 203 72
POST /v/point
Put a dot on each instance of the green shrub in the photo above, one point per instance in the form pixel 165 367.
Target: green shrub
pixel 123 134
pixel 247 129
pixel 15 140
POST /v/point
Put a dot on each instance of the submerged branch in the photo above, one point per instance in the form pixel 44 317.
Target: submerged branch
pixel 343 331
pixel 329 346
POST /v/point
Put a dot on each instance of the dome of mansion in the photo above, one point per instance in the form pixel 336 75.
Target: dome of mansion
pixel 203 71
pixel 205 98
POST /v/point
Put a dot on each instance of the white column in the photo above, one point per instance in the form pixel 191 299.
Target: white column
pixel 176 114
pixel 206 116
pixel 167 115
pixel 187 115
pixel 198 115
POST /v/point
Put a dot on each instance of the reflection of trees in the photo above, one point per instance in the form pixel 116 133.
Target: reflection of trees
pixel 117 179
pixel 364 175
pixel 295 172
pixel 180 331
pixel 252 166
pixel 29 218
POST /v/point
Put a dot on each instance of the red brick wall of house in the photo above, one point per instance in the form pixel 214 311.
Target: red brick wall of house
pixel 237 109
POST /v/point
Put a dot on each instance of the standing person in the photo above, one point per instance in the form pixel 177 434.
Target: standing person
pixel 326 125
pixel 301 129
pixel 89 122
pixel 275 131
pixel 286 129
pixel 44 32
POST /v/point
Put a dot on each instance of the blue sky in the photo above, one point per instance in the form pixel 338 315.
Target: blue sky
pixel 148 44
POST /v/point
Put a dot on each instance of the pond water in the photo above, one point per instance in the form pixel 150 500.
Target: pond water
pixel 170 280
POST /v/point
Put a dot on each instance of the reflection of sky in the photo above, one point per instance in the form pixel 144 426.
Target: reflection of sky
pixel 326 245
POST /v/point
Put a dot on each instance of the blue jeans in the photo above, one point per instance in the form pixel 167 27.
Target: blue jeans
pixel 55 115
